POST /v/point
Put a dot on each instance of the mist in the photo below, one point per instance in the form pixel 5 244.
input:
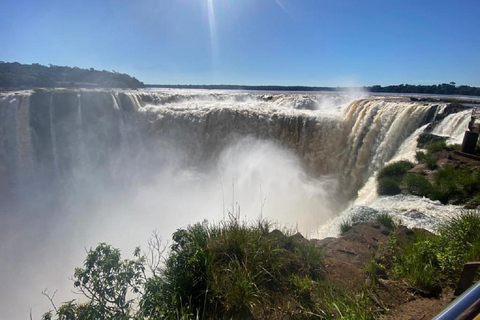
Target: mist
pixel 46 234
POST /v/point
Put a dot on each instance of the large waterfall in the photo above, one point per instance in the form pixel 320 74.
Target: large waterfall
pixel 50 136
pixel 82 166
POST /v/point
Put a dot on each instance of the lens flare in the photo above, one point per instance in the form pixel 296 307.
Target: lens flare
pixel 213 31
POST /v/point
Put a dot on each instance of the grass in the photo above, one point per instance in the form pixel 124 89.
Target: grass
pixel 346 225
pixel 395 169
pixel 236 270
pixel 433 261
pixel 387 220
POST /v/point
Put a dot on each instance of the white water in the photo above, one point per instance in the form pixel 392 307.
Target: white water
pixel 413 211
pixel 454 126
pixel 114 166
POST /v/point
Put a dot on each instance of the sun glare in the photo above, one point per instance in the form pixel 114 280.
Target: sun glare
pixel 213 31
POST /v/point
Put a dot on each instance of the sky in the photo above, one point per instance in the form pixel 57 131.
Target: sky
pixel 252 42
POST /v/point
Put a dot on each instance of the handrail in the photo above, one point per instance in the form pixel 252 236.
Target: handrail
pixel 455 309
pixel 468 303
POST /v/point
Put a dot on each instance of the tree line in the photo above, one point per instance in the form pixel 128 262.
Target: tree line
pixel 444 88
pixel 17 75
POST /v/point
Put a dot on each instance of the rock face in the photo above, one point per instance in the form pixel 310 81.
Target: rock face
pixel 347 255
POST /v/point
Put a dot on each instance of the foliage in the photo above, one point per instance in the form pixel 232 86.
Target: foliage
pixel 389 179
pixel 444 88
pixel 387 220
pixel 16 75
pixel 395 169
pixel 229 270
pixel 418 185
pixel 388 187
pixel 238 271
pixel 346 225
pixel 105 281
pixel 427 159
pixel 233 270
pixel 436 146
pixel 431 261
pixel 455 184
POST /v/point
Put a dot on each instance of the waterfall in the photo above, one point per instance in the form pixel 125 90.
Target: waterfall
pixel 454 126
pixel 53 136
pixel 348 141
pixel 112 166
pixel 25 150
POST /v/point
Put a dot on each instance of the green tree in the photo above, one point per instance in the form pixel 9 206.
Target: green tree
pixel 105 281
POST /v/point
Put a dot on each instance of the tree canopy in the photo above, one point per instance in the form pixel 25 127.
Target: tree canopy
pixel 16 75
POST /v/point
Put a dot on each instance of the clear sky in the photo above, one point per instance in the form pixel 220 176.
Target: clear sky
pixel 282 42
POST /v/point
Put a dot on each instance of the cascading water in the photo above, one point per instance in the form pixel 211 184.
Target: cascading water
pixel 132 161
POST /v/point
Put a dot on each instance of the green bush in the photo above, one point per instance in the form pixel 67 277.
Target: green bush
pixel 455 184
pixel 460 241
pixel 395 169
pixel 346 225
pixel 427 159
pixel 232 270
pixel 431 261
pixel 436 146
pixel 418 185
pixel 388 187
pixel 387 220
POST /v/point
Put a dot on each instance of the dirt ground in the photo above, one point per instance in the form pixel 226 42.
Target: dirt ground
pixel 346 257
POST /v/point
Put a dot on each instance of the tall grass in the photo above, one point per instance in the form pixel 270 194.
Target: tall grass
pixel 431 261
pixel 235 270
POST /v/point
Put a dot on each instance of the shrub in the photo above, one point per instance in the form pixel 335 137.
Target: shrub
pixel 455 184
pixel 427 159
pixel 418 185
pixel 436 146
pixel 387 220
pixel 346 225
pixel 232 270
pixel 395 169
pixel 388 187
pixel 431 261
pixel 460 241
pixel 454 146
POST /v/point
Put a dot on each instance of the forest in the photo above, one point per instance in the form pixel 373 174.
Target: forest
pixel 17 75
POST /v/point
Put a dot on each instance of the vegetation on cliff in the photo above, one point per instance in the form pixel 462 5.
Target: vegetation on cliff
pixel 430 261
pixel 233 270
pixel 226 271
pixel 437 176
pixel 16 75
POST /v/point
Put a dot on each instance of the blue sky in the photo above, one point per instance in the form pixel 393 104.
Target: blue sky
pixel 282 42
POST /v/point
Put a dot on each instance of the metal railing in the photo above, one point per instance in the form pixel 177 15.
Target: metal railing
pixel 467 305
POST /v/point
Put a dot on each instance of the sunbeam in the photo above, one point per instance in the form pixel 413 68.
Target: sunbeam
pixel 281 5
pixel 213 31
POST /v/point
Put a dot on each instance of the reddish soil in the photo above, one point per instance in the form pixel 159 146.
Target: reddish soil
pixel 346 258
